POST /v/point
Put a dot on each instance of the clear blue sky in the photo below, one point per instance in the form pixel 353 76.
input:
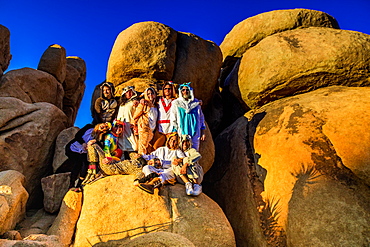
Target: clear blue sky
pixel 88 29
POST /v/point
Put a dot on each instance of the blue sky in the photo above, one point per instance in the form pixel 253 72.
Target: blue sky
pixel 88 29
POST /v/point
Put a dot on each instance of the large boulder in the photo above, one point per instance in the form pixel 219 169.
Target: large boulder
pixel 65 223
pixel 27 138
pixel 198 61
pixel 249 32
pixel 13 198
pixel 305 158
pixel 74 87
pixel 207 150
pixel 53 61
pixel 5 55
pixel 124 211
pixel 144 50
pixel 35 240
pixel 31 86
pixel 302 60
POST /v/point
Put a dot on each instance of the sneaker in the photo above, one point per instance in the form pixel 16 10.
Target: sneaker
pixel 189 188
pixel 147 188
pixel 197 189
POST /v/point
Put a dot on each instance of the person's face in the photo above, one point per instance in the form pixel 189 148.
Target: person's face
pixel 129 94
pixel 103 127
pixel 107 92
pixel 185 145
pixel 118 130
pixel 185 92
pixel 167 90
pixel 173 142
pixel 151 95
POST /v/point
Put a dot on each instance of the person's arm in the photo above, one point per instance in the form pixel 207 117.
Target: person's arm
pixel 202 125
pixel 173 117
pixel 107 145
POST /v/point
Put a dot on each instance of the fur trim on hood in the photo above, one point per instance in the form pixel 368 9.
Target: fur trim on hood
pixel 107 84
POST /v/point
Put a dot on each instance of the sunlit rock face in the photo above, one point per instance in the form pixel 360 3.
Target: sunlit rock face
pixel 252 30
pixel 13 198
pixel 154 51
pixel 28 133
pixel 302 60
pixel 305 160
pixel 113 208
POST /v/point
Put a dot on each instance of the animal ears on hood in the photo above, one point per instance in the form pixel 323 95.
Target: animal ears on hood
pixel 185 85
pixel 128 88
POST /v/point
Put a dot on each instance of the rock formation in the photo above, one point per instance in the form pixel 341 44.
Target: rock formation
pixel 306 162
pixel 5 55
pixel 115 209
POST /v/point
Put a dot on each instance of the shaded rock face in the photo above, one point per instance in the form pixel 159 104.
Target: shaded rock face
pixel 53 61
pixel 4 49
pixel 28 132
pixel 249 32
pixel 307 164
pixel 302 60
pixel 54 187
pixel 153 51
pixel 13 198
pixel 144 50
pixel 133 212
pixel 64 137
pixel 31 86
pixel 74 87
pixel 197 61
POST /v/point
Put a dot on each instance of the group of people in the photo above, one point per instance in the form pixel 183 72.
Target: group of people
pixel 154 138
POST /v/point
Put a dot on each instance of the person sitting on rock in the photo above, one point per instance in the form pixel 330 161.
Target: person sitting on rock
pixel 106 105
pixel 96 154
pixel 145 120
pixel 188 169
pixel 128 102
pixel 164 110
pixel 163 169
pixel 187 117
pixel 76 151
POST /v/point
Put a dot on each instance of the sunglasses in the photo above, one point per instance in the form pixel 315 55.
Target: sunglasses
pixel 167 88
pixel 185 89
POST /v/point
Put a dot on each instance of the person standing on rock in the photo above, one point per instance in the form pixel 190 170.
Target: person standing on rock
pixel 187 117
pixel 128 141
pixel 145 120
pixel 187 169
pixel 106 105
pixel 164 111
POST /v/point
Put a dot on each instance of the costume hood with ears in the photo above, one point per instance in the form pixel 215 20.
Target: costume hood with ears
pixel 125 90
pixel 186 85
pixel 107 84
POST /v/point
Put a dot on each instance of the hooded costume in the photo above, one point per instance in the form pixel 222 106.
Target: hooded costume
pixel 106 109
pixel 165 155
pixel 145 118
pixel 187 117
pixel 194 170
pixel 127 142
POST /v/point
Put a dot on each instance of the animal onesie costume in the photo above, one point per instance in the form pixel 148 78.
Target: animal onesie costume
pixel 165 154
pixel 187 117
pixel 145 118
pixel 125 167
pixel 106 109
pixel 194 170
pixel 128 141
